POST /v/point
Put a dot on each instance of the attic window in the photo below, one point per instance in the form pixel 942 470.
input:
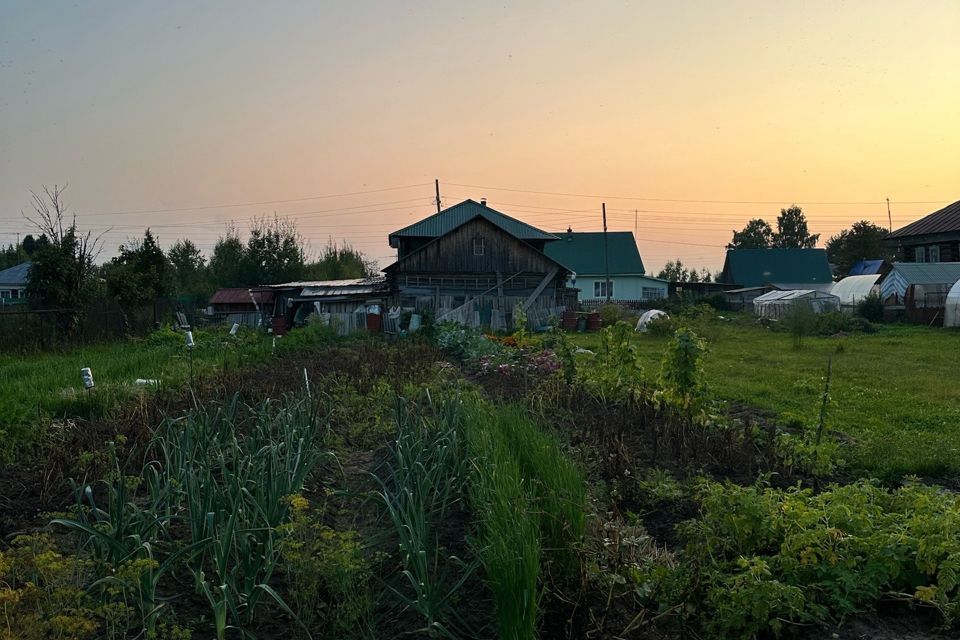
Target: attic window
pixel 478 246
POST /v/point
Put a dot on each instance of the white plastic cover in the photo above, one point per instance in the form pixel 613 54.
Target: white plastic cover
pixel 776 304
pixel 647 316
pixel 951 312
pixel 853 289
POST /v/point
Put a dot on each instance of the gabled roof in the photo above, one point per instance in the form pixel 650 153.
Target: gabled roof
pixel 583 252
pixel 946 220
pixel 754 267
pixel 16 275
pixel 452 217
pixel 866 267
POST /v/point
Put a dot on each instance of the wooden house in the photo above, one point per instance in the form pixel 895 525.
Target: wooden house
pixel 933 238
pixel 472 264
pixel 782 268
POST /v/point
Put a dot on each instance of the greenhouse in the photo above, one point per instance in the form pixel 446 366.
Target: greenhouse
pixel 951 311
pixel 852 290
pixel 777 304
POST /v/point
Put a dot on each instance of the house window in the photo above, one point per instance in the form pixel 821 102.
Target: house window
pixel 4 294
pixel 652 293
pixel 934 253
pixel 919 255
pixel 478 246
pixel 600 289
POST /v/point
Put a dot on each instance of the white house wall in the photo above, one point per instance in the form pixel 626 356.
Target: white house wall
pixel 628 288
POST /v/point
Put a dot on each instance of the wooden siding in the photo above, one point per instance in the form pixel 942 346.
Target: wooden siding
pixel 454 253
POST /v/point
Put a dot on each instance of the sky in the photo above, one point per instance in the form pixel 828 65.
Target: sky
pixel 686 118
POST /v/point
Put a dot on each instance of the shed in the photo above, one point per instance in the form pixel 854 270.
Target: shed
pixel 951 310
pixel 852 290
pixel 776 304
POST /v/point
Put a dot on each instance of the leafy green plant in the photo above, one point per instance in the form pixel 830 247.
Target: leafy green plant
pixel 426 481
pixel 327 573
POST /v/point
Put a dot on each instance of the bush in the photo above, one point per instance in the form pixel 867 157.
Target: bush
pixel 717 301
pixel 871 308
pixel 663 326
pixel 611 314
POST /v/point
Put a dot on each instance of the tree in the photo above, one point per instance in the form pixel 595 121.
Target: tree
pixel 863 240
pixel 792 232
pixel 339 263
pixel 140 273
pixel 673 271
pixel 275 251
pixel 63 261
pixel 228 264
pixel 189 269
pixel 758 234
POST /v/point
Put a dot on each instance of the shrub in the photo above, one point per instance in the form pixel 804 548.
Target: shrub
pixel 800 321
pixel 871 308
pixel 611 314
pixel 663 326
pixel 718 301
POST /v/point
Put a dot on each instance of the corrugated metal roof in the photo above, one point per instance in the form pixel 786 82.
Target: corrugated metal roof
pixel 17 274
pixel 866 267
pixel 352 282
pixel 946 220
pixel 754 267
pixel 583 252
pixel 449 219
pixel 928 272
pixel 240 296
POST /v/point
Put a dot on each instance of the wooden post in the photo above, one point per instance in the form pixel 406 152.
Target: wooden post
pixel 436 185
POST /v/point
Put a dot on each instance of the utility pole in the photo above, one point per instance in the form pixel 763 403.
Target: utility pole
pixel 635 218
pixel 889 217
pixel 436 184
pixel 606 254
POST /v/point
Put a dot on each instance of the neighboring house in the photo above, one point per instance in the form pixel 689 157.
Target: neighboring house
pixel 782 268
pixel 13 283
pixel 933 238
pixel 921 288
pixel 588 256
pixel 472 264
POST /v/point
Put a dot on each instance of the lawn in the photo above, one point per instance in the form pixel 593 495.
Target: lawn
pixel 894 393
pixel 38 387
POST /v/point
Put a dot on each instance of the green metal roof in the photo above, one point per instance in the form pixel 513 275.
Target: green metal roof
pixel 755 267
pixel 583 252
pixel 452 217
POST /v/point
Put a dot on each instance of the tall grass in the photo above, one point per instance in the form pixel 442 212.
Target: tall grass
pixel 530 504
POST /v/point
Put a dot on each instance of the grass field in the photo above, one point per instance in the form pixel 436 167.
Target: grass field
pixel 894 393
pixel 44 386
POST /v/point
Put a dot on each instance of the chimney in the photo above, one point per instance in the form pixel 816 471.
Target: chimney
pixel 569 233
pixel 483 202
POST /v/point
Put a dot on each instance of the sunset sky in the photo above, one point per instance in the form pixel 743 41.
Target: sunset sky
pixel 688 117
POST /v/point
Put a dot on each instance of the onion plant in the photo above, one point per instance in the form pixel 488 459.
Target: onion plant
pixel 425 480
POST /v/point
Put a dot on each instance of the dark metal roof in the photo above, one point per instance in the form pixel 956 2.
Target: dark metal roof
pixel 946 220
pixel 449 219
pixel 583 252
pixel 755 267
pixel 17 275
pixel 240 296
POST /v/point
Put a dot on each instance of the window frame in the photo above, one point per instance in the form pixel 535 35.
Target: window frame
pixel 479 246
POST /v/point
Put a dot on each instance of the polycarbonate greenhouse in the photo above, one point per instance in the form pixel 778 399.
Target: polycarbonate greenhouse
pixel 951 311
pixel 853 289
pixel 777 304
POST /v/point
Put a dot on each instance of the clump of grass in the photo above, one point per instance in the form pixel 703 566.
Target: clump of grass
pixel 530 504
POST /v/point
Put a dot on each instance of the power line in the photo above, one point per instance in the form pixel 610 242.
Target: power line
pixel 777 202
pixel 251 204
